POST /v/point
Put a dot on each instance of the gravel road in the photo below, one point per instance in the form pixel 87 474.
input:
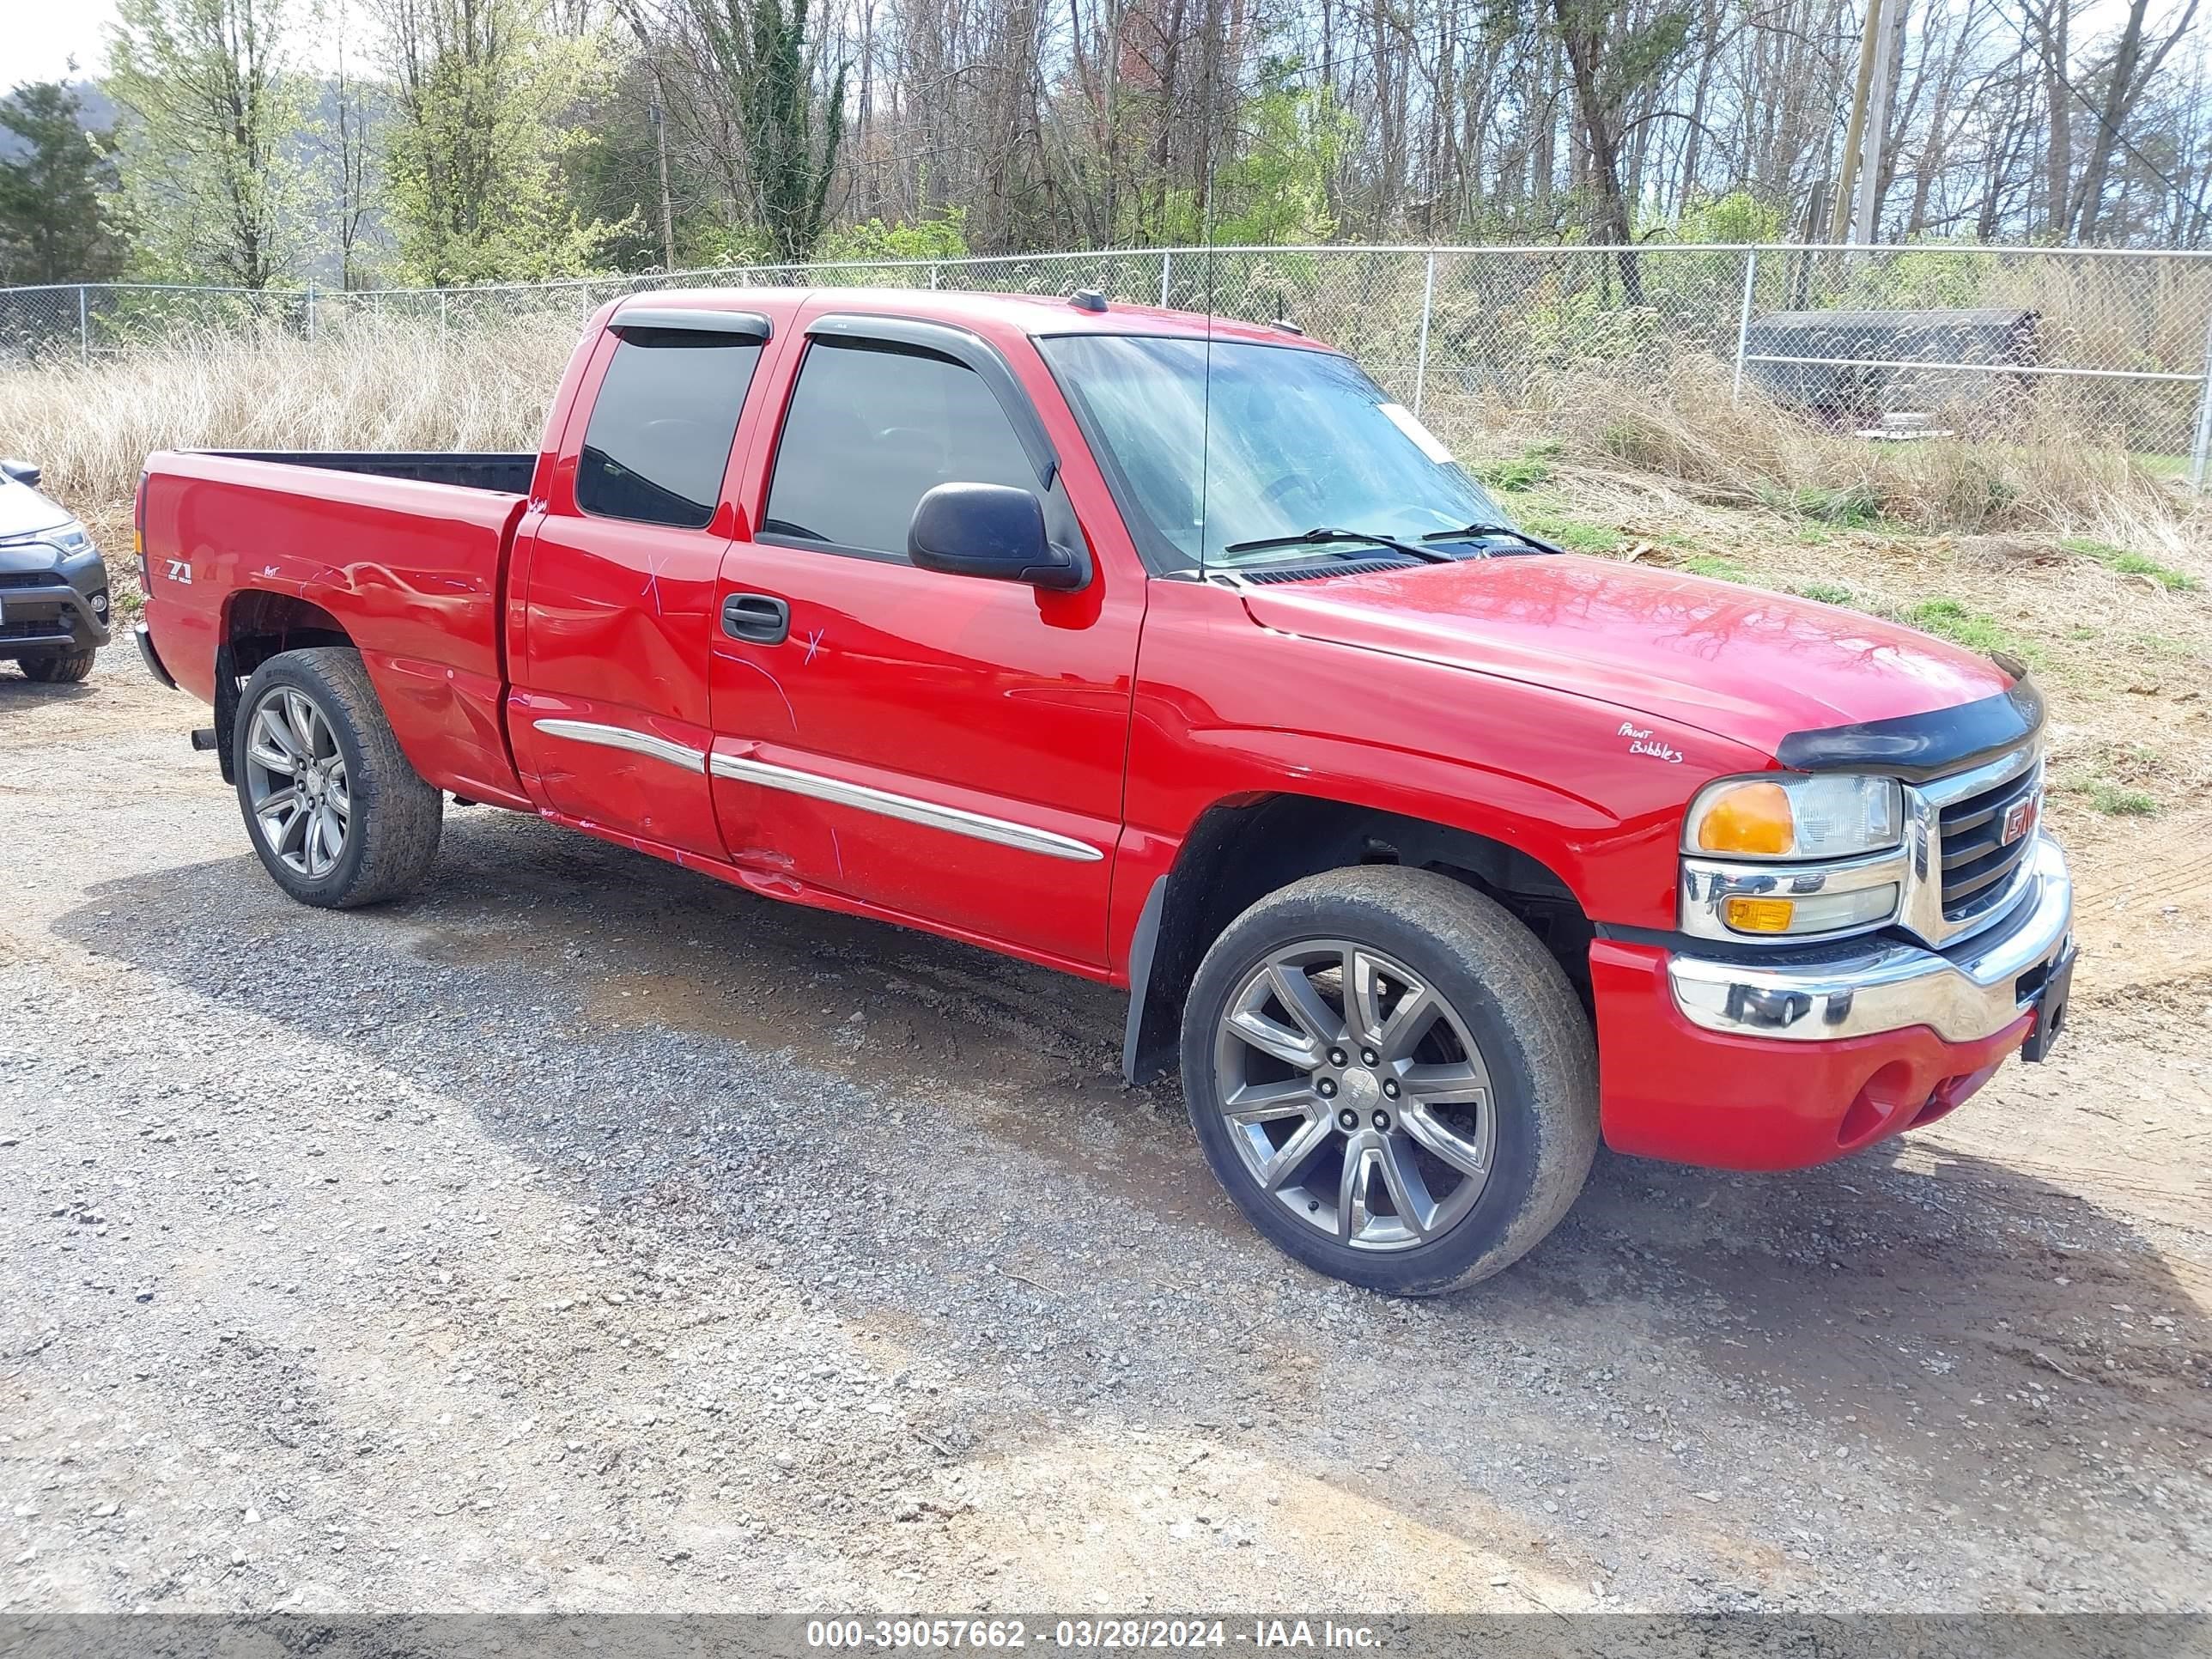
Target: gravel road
pixel 584 1234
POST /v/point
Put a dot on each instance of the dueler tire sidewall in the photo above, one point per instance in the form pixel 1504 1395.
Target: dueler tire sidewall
pixel 299 675
pixel 1484 1240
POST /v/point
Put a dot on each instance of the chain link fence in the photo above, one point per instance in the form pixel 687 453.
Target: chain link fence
pixel 1895 343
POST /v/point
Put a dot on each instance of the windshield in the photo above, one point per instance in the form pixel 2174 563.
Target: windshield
pixel 1300 440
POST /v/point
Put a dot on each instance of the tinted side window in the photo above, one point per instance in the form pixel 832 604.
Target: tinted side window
pixel 661 426
pixel 871 430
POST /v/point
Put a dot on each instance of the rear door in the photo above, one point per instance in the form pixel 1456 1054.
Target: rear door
pixel 946 749
pixel 610 712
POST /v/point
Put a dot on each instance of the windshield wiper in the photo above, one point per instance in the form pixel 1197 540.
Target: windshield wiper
pixel 1315 538
pixel 1468 533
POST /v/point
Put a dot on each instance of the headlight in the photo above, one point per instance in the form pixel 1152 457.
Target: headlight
pixel 1783 814
pixel 71 538
pixel 1842 837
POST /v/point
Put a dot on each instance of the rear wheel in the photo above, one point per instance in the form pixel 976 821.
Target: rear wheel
pixel 64 669
pixel 337 815
pixel 1392 1077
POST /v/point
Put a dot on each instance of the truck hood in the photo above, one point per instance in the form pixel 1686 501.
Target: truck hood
pixel 1738 662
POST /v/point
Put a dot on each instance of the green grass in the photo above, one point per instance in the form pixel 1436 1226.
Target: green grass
pixel 1850 507
pixel 1827 593
pixel 2116 802
pixel 1577 535
pixel 2163 646
pixel 1950 620
pixel 2130 564
pixel 1517 474
pixel 1513 476
pixel 1720 569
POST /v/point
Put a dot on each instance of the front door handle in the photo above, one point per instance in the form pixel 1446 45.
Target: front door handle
pixel 757 618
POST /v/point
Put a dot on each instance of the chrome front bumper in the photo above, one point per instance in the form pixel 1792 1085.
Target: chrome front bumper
pixel 1970 991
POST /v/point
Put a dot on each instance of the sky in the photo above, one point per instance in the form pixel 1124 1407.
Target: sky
pixel 40 36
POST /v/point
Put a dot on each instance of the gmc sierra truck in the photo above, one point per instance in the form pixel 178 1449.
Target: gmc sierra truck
pixel 1174 653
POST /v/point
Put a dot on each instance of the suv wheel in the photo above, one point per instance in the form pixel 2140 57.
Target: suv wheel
pixel 64 669
pixel 337 815
pixel 1392 1077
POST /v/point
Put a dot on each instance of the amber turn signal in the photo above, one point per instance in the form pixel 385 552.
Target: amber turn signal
pixel 1751 818
pixel 1758 915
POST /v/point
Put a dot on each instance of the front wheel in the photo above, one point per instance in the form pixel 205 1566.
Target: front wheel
pixel 1392 1077
pixel 65 668
pixel 335 812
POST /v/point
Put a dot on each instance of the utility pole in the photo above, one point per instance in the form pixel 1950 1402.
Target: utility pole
pixel 1839 211
pixel 634 13
pixel 1891 14
pixel 667 207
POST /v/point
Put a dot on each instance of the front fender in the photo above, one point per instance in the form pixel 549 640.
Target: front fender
pixel 1227 712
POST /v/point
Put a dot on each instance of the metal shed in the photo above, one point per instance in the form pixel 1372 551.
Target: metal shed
pixel 1858 366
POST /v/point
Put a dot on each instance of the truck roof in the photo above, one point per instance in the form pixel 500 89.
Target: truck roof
pixel 1033 314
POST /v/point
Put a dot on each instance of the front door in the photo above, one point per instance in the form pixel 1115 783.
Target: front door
pixel 948 749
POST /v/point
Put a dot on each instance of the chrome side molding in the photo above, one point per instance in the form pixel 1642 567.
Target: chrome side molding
pixel 959 821
pixel 621 736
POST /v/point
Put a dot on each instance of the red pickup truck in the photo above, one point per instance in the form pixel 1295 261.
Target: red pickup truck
pixel 1170 652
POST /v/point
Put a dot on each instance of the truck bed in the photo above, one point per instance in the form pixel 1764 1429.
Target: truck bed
pixel 507 472
pixel 410 567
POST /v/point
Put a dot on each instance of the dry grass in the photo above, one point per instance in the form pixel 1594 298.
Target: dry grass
pixel 2122 656
pixel 408 385
pixel 2044 474
pixel 400 385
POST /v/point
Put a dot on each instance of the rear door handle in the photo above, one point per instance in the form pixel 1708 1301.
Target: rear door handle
pixel 758 617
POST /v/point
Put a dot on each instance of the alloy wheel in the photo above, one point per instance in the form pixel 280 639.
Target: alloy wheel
pixel 296 781
pixel 1355 1095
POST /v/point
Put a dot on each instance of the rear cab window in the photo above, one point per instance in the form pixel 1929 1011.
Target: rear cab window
pixel 662 425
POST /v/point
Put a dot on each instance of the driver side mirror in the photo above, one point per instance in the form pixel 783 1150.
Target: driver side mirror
pixel 993 531
pixel 23 472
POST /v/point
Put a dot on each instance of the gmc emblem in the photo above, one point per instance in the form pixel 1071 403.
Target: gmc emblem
pixel 2019 818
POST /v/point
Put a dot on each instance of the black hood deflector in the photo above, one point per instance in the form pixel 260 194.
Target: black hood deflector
pixel 1917 747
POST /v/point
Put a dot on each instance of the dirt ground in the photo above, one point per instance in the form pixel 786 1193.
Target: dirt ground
pixel 583 1234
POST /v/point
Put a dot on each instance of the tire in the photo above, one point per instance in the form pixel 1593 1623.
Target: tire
pixel 1489 1079
pixel 64 669
pixel 353 776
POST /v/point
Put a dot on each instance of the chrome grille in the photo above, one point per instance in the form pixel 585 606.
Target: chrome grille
pixel 1978 862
